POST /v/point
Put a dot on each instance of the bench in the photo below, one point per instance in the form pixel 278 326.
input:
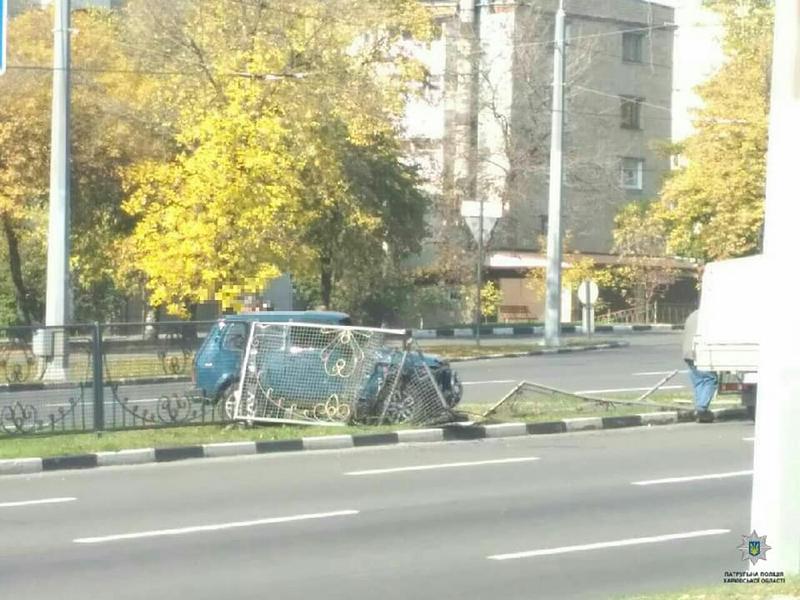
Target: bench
pixel 514 312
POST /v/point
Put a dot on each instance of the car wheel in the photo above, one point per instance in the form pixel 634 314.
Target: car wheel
pixel 226 404
pixel 456 391
pixel 402 408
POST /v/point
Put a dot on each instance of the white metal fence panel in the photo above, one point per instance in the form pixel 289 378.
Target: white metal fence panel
pixel 333 375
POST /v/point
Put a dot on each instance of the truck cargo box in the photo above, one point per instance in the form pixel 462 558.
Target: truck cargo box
pixel 728 327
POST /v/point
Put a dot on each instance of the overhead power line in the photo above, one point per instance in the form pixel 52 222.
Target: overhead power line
pixel 621 97
pixel 243 74
pixel 601 34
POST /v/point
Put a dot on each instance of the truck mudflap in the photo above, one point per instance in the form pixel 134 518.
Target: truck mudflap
pixel 743 385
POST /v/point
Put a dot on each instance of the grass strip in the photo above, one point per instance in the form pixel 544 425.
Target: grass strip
pixel 530 410
pixel 533 412
pixel 471 350
pixel 82 443
pixel 535 407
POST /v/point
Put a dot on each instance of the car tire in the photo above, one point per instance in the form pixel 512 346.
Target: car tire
pixel 402 408
pixel 749 395
pixel 226 404
pixel 456 391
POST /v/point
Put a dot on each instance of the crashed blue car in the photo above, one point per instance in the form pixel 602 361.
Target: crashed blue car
pixel 218 362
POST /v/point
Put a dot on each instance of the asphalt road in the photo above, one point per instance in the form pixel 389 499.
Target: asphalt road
pixel 634 368
pixel 370 523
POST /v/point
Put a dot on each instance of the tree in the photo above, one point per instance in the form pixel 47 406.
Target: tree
pixel 644 272
pixel 713 207
pixel 361 230
pixel 579 269
pixel 104 139
pixel 491 298
pixel 286 154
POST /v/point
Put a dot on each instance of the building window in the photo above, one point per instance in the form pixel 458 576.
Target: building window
pixel 632 173
pixel 631 112
pixel 632 44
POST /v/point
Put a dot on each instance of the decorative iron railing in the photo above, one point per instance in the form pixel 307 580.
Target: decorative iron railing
pixel 101 377
pixel 134 375
pixel 657 312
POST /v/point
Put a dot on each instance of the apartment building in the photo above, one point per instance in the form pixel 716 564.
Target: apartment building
pixel 483 131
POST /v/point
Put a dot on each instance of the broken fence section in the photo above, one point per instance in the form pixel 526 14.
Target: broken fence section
pixel 528 398
pixel 334 375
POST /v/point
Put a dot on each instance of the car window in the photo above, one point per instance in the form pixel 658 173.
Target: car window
pixel 304 337
pixel 235 337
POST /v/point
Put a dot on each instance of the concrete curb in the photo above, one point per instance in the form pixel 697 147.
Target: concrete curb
pixel 528 330
pixel 583 424
pixel 126 457
pixel 538 351
pixel 20 466
pixel 446 433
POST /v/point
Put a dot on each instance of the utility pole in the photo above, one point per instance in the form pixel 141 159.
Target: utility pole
pixel 479 277
pixel 57 302
pixel 465 163
pixel 776 464
pixel 474 112
pixel 552 318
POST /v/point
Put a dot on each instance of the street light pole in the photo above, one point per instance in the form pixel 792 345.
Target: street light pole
pixel 479 276
pixel 776 460
pixel 57 301
pixel 552 320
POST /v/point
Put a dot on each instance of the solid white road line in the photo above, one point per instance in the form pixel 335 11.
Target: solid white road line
pixel 215 527
pixel 633 389
pixel 34 502
pixel 612 544
pixel 693 478
pixel 750 439
pixel 490 381
pixel 659 372
pixel 445 466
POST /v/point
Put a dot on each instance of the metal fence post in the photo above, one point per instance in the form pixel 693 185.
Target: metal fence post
pixel 97 377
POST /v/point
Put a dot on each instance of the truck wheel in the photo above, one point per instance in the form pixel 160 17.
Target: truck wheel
pixel 749 400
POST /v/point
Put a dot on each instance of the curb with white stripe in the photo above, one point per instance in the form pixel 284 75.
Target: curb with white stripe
pixel 446 433
pixel 528 330
pixel 538 351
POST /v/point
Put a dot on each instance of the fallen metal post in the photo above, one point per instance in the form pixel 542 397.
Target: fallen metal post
pixel 653 389
pixel 499 403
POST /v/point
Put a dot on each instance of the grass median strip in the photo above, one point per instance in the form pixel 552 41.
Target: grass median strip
pixel 536 405
pixel 533 409
pixel 490 347
pixel 533 412
pixel 12 447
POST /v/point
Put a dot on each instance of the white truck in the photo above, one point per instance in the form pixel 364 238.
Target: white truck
pixel 727 337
